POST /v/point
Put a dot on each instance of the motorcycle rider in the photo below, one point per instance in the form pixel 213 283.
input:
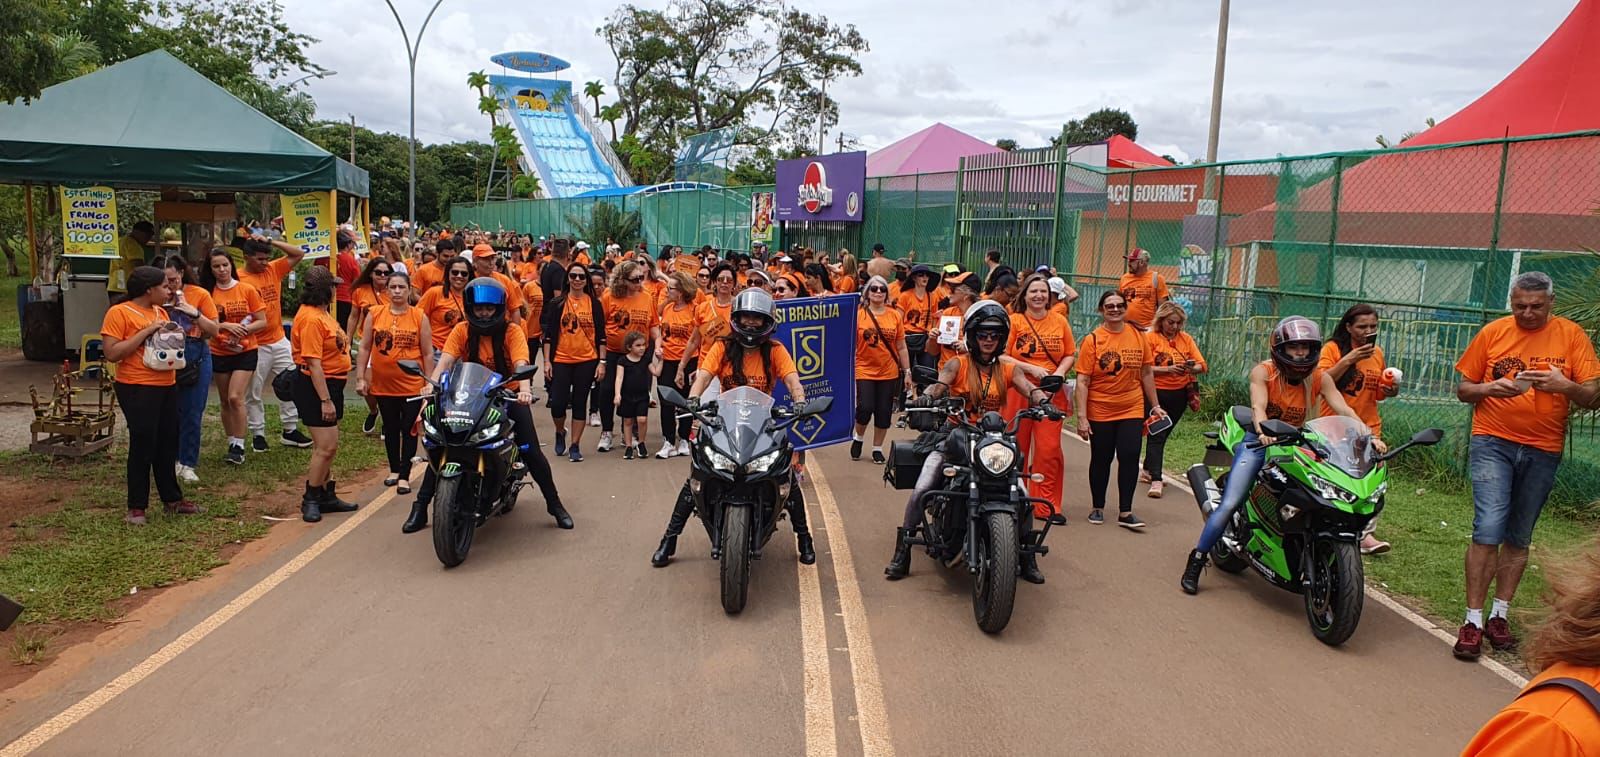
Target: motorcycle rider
pixel 486 329
pixel 1285 388
pixel 748 356
pixel 982 376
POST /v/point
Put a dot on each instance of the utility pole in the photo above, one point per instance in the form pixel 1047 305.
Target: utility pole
pixel 1216 94
pixel 352 159
pixel 411 59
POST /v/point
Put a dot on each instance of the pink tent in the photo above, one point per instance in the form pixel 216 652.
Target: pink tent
pixel 935 149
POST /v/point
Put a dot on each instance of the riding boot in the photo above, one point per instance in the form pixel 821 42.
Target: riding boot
pixel 331 502
pixel 1191 572
pixel 311 504
pixel 418 519
pixel 680 517
pixel 802 533
pixel 900 565
pixel 563 518
pixel 1030 560
pixel 663 555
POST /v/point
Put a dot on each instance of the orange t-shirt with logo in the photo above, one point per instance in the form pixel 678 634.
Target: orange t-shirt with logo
pixel 203 302
pixel 677 323
pixel 1288 402
pixel 234 306
pixel 533 297
pixel 269 284
pixel 123 320
pixel 989 393
pixel 636 312
pixel 364 299
pixel 1143 292
pixel 717 364
pixel 1114 363
pixel 715 322
pixel 427 276
pixel 396 338
pixel 1359 384
pixel 917 309
pixel 516 345
pixel 1502 350
pixel 317 334
pixel 575 344
pixel 1168 352
pixel 878 344
pixel 1551 722
pixel 444 309
pixel 1043 343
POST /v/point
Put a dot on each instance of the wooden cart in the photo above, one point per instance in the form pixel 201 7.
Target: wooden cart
pixel 81 416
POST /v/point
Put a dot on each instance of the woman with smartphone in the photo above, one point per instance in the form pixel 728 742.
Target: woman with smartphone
pixel 1355 363
pixel 1177 364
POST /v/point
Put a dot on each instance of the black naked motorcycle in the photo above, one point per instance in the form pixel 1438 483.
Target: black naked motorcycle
pixel 978 516
pixel 740 476
pixel 471 446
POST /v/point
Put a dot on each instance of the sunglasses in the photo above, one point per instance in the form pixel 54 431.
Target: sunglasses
pixel 724 279
pixel 380 272
pixel 636 279
pixel 1113 306
pixel 988 336
pixel 460 275
pixel 877 289
pixel 577 276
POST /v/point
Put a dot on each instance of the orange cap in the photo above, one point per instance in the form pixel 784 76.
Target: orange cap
pixel 481 250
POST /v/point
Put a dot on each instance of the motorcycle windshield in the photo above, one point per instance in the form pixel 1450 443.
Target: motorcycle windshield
pixel 465 395
pixel 1347 443
pixel 744 412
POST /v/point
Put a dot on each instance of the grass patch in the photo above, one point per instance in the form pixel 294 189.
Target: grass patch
pixel 69 561
pixel 29 647
pixel 10 324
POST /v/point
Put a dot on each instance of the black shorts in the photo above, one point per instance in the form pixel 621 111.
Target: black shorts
pixel 634 407
pixel 309 404
pixel 244 361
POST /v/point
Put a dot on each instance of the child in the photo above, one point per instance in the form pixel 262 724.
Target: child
pixel 632 389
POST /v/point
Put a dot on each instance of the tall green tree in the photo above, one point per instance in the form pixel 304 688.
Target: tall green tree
pixel 1098 126
pixel 1008 145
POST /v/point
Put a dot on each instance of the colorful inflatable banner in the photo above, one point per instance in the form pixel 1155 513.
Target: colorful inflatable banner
pixel 308 223
pixel 761 217
pixel 89 221
pixel 820 334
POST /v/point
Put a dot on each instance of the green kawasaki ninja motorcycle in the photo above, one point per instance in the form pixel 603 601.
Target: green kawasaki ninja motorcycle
pixel 1300 526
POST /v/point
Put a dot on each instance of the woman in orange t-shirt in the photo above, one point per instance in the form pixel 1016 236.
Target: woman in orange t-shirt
pixel 882 364
pixel 148 396
pixel 1115 385
pixel 628 307
pixel 1353 361
pixel 678 322
pixel 322 351
pixel 1044 340
pixel 393 332
pixel 442 302
pixel 241 314
pixel 714 320
pixel 844 282
pixel 533 324
pixel 1177 362
pixel 575 348
pixel 368 292
pixel 197 358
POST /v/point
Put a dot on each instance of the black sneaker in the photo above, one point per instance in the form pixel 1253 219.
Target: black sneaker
pixel 855 449
pixel 1130 521
pixel 259 443
pixel 295 438
pixel 627 452
pixel 877 456
pixel 370 425
pixel 640 452
pixel 235 454
pixel 1096 517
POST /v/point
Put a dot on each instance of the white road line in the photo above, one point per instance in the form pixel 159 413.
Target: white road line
pixel 871 715
pixel 101 697
pixel 1499 669
pixel 821 739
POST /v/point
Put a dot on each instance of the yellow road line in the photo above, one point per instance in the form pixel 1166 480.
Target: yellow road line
pixel 871 715
pixel 99 698
pixel 821 739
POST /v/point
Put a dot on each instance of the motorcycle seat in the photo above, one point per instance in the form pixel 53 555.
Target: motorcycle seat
pixel 1243 416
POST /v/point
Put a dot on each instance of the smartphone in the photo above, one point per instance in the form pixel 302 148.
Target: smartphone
pixel 1158 425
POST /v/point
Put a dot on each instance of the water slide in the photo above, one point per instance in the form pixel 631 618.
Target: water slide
pixel 561 142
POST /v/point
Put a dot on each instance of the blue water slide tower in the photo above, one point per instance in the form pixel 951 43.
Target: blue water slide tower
pixel 561 141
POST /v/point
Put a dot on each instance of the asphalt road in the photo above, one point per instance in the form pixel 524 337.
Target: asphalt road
pixel 568 642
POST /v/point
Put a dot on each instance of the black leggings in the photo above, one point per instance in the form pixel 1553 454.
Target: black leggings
pixel 1119 439
pixel 673 429
pixel 875 401
pixel 1175 402
pixel 152 416
pixel 532 457
pixel 569 386
pixel 605 392
pixel 399 416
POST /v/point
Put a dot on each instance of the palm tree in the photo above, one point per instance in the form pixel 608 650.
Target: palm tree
pixel 478 80
pixel 1386 144
pixel 526 185
pixel 611 114
pixel 594 90
pixel 75 56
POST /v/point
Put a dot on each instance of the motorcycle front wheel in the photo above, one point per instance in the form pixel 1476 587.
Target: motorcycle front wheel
pixel 1336 590
pixel 452 527
pixel 735 565
pixel 994 588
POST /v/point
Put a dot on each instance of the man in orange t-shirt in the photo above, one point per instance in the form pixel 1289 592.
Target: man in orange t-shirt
pixel 273 351
pixel 1143 288
pixel 1521 374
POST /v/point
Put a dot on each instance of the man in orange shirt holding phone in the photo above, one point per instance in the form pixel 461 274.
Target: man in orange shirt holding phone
pixel 1521 374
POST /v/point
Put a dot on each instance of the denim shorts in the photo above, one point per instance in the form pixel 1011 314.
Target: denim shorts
pixel 1510 483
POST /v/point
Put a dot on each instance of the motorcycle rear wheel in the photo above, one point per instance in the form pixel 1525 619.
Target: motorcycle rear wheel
pixel 994 588
pixel 1336 591
pixel 735 564
pixel 452 528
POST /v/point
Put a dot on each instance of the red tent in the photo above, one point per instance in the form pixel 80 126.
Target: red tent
pixel 1122 152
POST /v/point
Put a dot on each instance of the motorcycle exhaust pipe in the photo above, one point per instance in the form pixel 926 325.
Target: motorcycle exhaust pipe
pixel 1206 494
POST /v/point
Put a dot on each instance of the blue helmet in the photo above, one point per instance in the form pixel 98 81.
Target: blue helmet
pixel 485 291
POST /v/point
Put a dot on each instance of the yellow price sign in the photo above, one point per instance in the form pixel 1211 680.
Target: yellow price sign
pixel 89 221
pixel 308 223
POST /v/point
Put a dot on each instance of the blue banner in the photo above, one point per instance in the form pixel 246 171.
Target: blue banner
pixel 820 334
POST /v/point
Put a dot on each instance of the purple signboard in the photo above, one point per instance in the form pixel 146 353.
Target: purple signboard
pixel 822 188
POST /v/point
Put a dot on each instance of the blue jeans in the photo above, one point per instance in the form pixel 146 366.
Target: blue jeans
pixel 192 402
pixel 1241 479
pixel 1510 483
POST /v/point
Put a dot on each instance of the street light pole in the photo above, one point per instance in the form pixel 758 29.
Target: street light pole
pixel 411 59
pixel 1216 92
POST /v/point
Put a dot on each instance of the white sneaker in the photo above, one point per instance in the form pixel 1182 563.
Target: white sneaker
pixel 594 420
pixel 605 443
pixel 187 474
pixel 683 446
pixel 666 451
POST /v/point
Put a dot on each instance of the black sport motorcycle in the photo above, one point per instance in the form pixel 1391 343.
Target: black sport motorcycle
pixel 471 446
pixel 979 515
pixel 740 476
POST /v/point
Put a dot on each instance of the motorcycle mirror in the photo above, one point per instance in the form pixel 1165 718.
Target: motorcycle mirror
pixel 1427 436
pixel 671 396
pixel 819 405
pixel 524 373
pixel 410 367
pixel 1052 383
pixel 924 375
pixel 1276 428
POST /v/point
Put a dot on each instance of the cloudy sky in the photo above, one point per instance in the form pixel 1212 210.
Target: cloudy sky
pixel 1302 77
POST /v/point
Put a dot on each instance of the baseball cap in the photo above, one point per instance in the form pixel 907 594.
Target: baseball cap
pixel 481 250
pixel 951 269
pixel 877 247
pixel 1057 287
pixel 582 246
pixel 903 263
pixel 1138 253
pixel 966 279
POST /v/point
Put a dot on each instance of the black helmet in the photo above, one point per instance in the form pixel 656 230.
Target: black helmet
pixel 484 291
pixel 753 301
pixel 1296 329
pixel 986 316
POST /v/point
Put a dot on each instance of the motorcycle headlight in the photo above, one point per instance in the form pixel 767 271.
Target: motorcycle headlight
pixel 1378 493
pixel 720 461
pixel 429 429
pixel 486 433
pixel 996 458
pixel 1331 492
pixel 764 462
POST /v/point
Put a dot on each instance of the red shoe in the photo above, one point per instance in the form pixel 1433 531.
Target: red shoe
pixel 1499 633
pixel 182 507
pixel 134 518
pixel 1469 643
